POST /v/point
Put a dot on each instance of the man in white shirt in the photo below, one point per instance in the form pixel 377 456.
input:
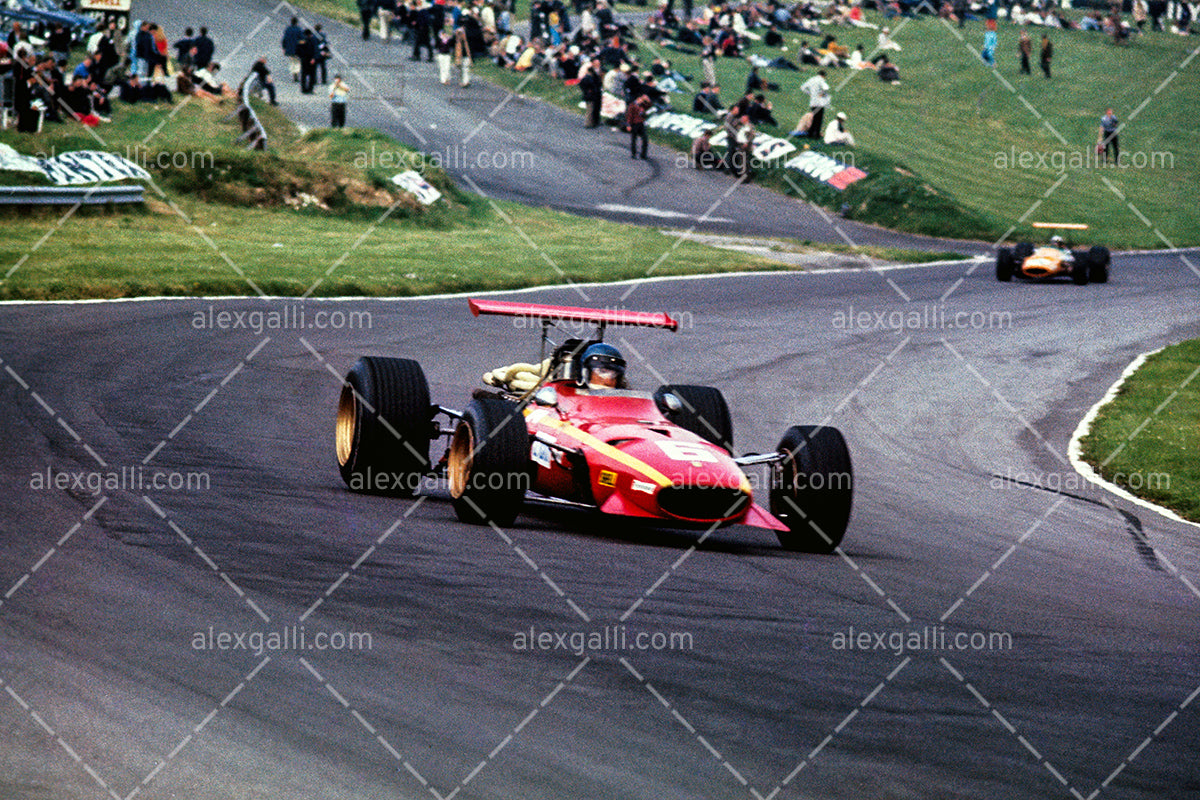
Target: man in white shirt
pixel 817 90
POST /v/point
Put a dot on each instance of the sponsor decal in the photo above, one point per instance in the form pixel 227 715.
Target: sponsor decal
pixel 540 453
pixel 643 486
pixel 607 478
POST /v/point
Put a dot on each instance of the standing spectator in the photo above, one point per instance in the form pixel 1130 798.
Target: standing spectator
pixel 386 12
pixel 1025 48
pixel 635 118
pixel 1047 54
pixel 988 54
pixel 59 43
pixel 204 48
pixel 262 74
pixel 161 49
pixel 367 10
pixel 1139 13
pixel 306 49
pixel 708 55
pixel 143 50
pixel 462 56
pixel 817 90
pixel 291 37
pixel 422 30
pixel 443 48
pixel 321 42
pixel 183 48
pixel 590 86
pixel 1108 139
pixel 337 102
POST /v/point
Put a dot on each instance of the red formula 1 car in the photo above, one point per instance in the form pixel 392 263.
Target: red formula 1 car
pixel 1055 260
pixel 568 430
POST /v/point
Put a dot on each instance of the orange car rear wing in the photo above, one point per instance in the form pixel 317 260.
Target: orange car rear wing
pixel 1066 226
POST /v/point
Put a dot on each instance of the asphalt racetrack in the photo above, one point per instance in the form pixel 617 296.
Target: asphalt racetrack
pixel 114 599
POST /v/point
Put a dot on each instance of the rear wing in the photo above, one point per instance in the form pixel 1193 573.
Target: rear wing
pixel 1066 226
pixel 548 315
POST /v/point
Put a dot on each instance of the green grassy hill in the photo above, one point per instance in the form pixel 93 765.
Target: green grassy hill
pixel 961 150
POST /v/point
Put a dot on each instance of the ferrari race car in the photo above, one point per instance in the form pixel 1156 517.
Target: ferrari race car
pixel 568 430
pixel 1054 260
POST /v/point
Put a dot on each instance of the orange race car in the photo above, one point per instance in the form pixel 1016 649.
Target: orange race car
pixel 1057 259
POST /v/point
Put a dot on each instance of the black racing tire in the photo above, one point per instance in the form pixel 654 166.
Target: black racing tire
pixel 812 491
pixel 488 466
pixel 1022 251
pixel 1100 261
pixel 384 426
pixel 704 413
pixel 1081 267
pixel 1004 264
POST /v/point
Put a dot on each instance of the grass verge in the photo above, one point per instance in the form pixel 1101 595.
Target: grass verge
pixel 224 221
pixel 1147 438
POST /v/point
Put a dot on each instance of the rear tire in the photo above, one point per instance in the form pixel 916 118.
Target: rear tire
pixel 813 489
pixel 1004 264
pixel 704 413
pixel 384 426
pixel 489 467
pixel 1100 258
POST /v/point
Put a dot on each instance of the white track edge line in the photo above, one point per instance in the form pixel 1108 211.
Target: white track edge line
pixel 1075 447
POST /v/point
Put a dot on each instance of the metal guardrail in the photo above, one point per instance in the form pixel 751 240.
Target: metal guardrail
pixel 253 133
pixel 70 195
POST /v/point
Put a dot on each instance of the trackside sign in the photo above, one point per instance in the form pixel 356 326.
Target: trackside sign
pixel 825 169
pixel 766 149
pixel 105 5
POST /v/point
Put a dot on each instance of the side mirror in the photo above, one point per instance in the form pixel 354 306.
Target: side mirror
pixel 673 403
pixel 546 396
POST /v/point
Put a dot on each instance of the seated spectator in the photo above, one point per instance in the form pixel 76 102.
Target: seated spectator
pixel 754 82
pixel 650 88
pixel 836 133
pixel 205 83
pixel 885 41
pixel 888 72
pixel 507 49
pixel 858 59
pixel 708 100
pixel 1091 22
pixel 808 55
pixel 703 156
pixel 262 76
pixel 759 111
pixel 773 38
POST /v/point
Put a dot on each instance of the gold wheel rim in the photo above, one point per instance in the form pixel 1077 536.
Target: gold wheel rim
pixel 347 423
pixel 462 451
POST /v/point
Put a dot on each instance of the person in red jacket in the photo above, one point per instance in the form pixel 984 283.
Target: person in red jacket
pixel 635 118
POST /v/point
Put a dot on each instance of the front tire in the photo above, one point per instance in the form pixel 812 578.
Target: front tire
pixel 813 489
pixel 704 413
pixel 1081 267
pixel 384 426
pixel 1101 259
pixel 488 466
pixel 1004 264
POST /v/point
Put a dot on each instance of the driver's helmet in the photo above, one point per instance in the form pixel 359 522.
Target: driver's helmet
pixel 603 366
pixel 1057 241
